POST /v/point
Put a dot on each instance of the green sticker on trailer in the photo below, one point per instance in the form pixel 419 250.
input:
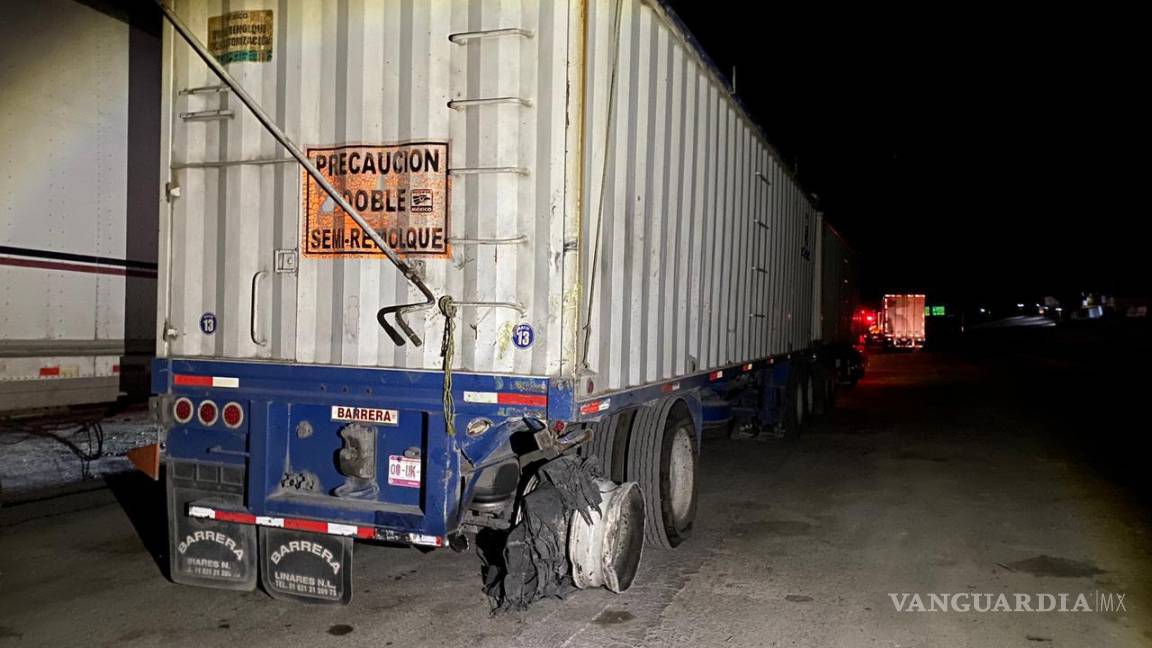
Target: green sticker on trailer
pixel 241 36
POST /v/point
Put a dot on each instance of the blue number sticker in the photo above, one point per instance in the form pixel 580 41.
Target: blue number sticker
pixel 208 323
pixel 523 336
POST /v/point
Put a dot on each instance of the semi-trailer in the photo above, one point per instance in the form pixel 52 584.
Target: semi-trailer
pixel 79 138
pixel 464 273
pixel 904 321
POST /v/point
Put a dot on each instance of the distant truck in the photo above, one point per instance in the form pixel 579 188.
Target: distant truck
pixel 904 321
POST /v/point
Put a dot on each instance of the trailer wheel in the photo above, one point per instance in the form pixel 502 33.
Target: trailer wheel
pixel 792 415
pixel 808 385
pixel 662 458
pixel 824 382
pixel 609 445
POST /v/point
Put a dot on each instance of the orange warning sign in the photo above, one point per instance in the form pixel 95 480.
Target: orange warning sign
pixel 401 190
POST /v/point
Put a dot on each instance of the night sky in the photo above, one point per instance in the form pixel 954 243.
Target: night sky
pixel 969 153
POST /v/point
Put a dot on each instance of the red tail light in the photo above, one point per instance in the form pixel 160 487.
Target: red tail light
pixel 233 415
pixel 207 413
pixel 182 410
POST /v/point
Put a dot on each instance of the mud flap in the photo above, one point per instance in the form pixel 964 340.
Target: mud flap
pixel 307 567
pixel 203 552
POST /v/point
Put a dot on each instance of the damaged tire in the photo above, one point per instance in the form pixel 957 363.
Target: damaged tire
pixel 662 458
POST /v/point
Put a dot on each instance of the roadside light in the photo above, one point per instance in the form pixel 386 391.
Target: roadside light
pixel 207 413
pixel 182 410
pixel 233 415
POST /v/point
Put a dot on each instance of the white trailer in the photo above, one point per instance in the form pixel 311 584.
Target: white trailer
pixel 78 228
pixel 453 243
pixel 904 321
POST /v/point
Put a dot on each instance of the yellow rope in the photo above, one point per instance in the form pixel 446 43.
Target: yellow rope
pixel 447 349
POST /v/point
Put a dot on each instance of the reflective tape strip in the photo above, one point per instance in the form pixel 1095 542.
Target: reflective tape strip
pixel 506 398
pixel 670 387
pixel 716 375
pixel 538 400
pixel 312 526
pixel 428 540
pixel 201 512
pixel 186 380
pixel 49 371
pixel 748 366
pixel 342 529
pixel 596 406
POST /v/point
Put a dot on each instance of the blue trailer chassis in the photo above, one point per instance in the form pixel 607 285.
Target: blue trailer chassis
pixel 286 442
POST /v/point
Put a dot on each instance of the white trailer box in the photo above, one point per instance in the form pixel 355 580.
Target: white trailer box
pixel 581 169
pixel 78 229
pixel 904 320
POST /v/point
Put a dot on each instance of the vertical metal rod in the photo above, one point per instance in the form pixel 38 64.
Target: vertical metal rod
pixel 282 138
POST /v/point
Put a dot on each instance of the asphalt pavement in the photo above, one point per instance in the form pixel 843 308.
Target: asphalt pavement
pixel 941 473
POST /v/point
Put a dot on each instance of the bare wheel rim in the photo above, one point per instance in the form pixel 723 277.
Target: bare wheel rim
pixel 681 474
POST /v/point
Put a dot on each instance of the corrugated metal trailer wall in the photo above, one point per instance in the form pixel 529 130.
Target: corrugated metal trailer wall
pixel 697 243
pixel 839 287
pixel 77 247
pixel 372 72
pixel 576 131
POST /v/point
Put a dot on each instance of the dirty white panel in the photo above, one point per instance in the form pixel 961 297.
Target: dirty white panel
pixel 690 261
pixel 64 155
pixel 689 245
pixel 375 72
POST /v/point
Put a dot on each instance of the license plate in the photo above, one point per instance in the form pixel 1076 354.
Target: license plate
pixel 403 471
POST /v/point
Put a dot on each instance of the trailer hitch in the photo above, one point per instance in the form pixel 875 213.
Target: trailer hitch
pixel 279 135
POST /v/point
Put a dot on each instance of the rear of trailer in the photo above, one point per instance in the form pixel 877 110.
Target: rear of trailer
pixel 587 247
pixel 78 234
pixel 904 321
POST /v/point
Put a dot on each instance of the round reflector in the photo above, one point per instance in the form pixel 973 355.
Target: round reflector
pixel 182 410
pixel 207 413
pixel 233 415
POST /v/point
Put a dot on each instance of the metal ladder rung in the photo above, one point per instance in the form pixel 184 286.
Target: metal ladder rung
pixel 515 240
pixel 494 304
pixel 208 89
pixel 463 37
pixel 457 104
pixel 207 115
pixel 226 163
pixel 485 170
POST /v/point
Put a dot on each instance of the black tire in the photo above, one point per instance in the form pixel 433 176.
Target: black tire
pixel 833 390
pixel 598 450
pixel 608 446
pixel 792 419
pixel 656 450
pixel 824 386
pixel 808 392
